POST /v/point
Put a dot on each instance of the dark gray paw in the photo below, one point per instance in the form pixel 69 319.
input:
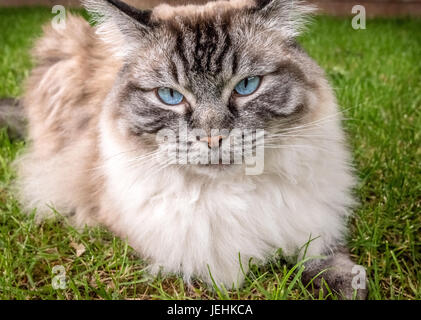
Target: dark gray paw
pixel 343 276
pixel 12 116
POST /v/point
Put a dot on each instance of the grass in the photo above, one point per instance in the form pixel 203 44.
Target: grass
pixel 377 77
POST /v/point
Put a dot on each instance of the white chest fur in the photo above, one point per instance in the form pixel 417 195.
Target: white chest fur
pixel 186 224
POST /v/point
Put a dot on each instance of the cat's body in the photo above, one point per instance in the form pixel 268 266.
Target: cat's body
pixel 86 155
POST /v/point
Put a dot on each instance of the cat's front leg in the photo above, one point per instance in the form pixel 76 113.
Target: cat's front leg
pixel 341 274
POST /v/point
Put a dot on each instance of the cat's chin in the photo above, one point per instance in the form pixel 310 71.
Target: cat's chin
pixel 215 170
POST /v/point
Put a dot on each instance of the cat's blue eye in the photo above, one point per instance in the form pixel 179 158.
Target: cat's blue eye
pixel 169 96
pixel 247 86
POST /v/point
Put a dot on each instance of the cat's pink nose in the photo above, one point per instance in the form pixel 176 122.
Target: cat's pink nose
pixel 213 141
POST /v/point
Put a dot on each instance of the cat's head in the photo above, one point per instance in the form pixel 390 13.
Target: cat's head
pixel 220 66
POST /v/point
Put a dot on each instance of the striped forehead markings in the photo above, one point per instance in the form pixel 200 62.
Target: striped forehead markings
pixel 203 48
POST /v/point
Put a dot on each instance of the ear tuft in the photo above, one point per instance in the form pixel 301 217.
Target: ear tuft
pixel 118 24
pixel 288 16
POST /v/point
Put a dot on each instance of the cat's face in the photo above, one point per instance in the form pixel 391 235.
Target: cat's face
pixel 232 69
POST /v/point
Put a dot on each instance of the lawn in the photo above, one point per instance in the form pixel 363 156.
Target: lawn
pixel 376 74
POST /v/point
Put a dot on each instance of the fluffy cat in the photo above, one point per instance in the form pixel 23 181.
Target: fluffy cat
pixel 100 95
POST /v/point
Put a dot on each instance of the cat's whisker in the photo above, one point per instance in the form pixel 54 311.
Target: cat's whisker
pixel 149 156
pixel 313 124
pixel 106 161
pixel 153 170
pixel 134 163
pixel 118 154
pixel 293 146
pixel 337 116
pixel 110 158
pixel 277 137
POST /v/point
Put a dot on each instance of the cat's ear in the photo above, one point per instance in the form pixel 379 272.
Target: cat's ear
pixel 288 16
pixel 119 24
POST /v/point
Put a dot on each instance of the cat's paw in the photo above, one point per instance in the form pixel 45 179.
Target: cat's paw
pixel 342 276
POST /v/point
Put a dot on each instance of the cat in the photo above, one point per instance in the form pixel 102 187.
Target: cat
pixel 100 96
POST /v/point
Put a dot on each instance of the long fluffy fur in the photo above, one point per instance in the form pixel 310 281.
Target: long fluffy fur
pixel 178 221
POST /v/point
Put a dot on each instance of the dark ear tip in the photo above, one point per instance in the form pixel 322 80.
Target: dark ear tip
pixel 142 16
pixel 260 4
